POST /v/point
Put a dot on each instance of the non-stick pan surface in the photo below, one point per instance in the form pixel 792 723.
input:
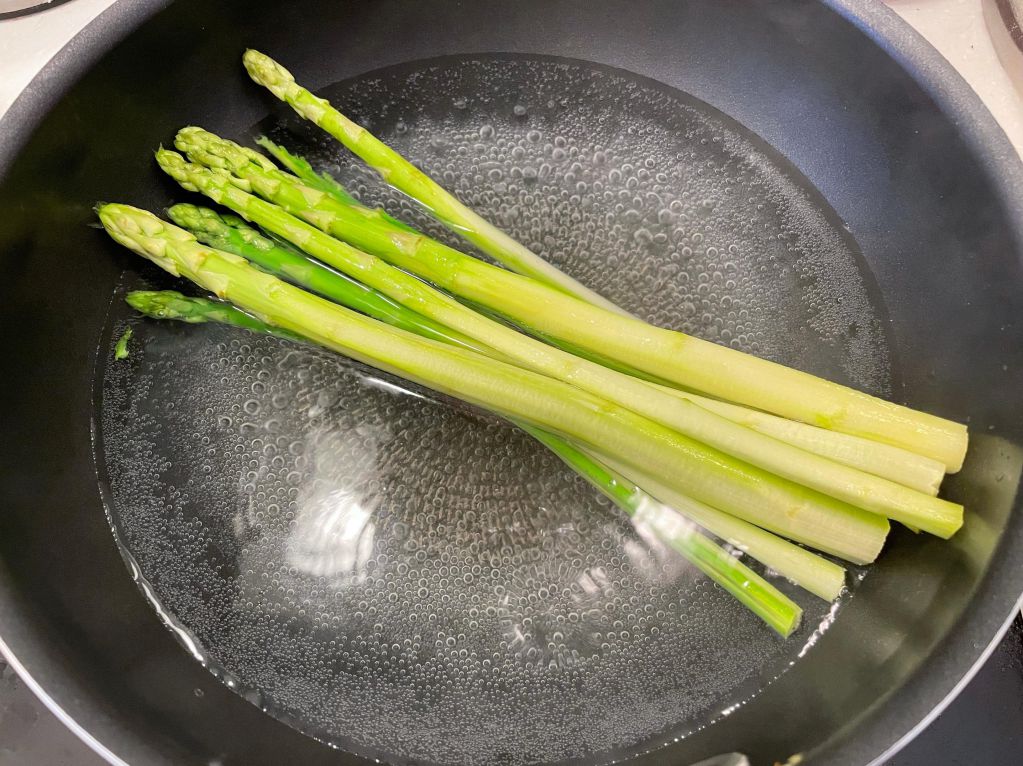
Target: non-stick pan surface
pixel 901 167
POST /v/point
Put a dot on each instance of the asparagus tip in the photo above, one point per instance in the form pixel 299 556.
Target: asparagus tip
pixel 215 152
pixel 220 230
pixel 142 232
pixel 160 304
pixel 194 217
pixel 185 173
pixel 172 163
pixel 267 72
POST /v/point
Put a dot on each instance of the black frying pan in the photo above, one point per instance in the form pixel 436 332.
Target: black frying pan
pixel 886 143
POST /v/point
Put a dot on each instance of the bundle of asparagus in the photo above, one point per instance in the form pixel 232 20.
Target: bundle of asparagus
pixel 687 436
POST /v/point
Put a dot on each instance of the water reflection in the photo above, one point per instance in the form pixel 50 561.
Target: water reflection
pixel 333 529
pixel 333 536
pixel 330 520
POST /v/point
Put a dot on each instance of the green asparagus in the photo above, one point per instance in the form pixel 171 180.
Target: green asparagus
pixel 889 462
pixel 820 577
pixel 691 362
pixel 838 481
pixel 406 177
pixel 698 471
pixel 687 438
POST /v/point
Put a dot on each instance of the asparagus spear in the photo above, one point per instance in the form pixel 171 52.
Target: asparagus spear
pixel 691 362
pixel 817 575
pixel 170 304
pixel 232 235
pixel 799 566
pixel 301 169
pixel 838 481
pixel 822 577
pixel 403 175
pixel 702 472
pixel 894 463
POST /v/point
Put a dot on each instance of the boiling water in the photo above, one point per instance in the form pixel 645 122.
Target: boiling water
pixel 409 578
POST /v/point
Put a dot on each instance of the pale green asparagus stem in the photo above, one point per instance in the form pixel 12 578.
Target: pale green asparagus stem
pixel 688 361
pixel 301 169
pixel 809 571
pixel 234 236
pixel 893 463
pixel 838 481
pixel 818 575
pixel 763 599
pixel 403 175
pixel 899 465
pixel 702 472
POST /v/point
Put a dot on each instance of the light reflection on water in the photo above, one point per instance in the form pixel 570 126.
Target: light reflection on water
pixel 333 531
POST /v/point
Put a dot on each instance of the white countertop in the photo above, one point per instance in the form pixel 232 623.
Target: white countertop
pixel 28 42
pixel 959 31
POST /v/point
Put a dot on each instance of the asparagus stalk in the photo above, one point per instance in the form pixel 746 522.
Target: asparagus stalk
pixel 706 474
pixel 170 304
pixel 232 235
pixel 749 588
pixel 896 464
pixel 818 575
pixel 838 481
pixel 799 566
pixel 893 463
pixel 691 362
pixel 404 176
pixel 301 169
pixel 811 572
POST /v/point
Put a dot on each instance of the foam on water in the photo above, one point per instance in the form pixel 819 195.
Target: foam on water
pixel 409 578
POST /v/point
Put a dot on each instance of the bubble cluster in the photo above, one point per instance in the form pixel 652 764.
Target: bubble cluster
pixel 406 577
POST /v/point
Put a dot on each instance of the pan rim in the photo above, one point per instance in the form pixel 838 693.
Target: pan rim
pixel 959 655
